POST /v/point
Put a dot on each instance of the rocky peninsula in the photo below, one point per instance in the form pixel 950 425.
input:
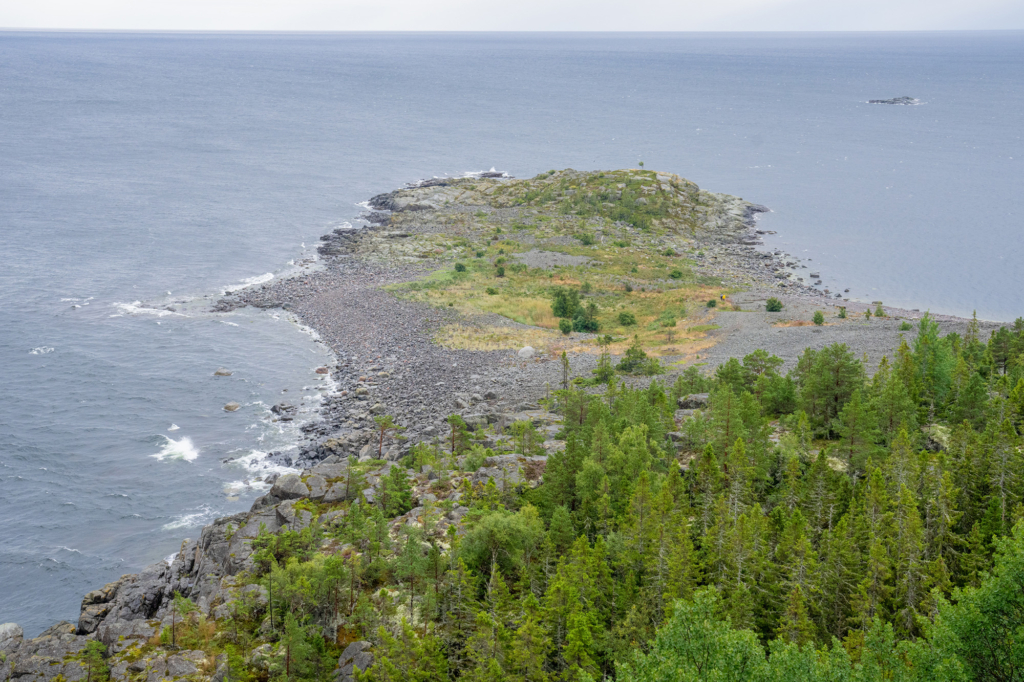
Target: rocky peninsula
pixel 442 305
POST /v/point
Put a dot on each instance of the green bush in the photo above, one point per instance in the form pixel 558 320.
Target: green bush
pixel 500 272
pixel 564 302
pixel 676 274
pixel 584 319
pixel 627 319
pixel 491 291
pixel 667 319
pixel 479 254
pixel 905 326
pixel 842 312
pixel 621 243
pixel 564 326
pixel 773 305
pixel 819 318
pixel 586 288
pixel 669 253
pixel 879 311
pixel 634 270
pixel 628 287
pixel 586 239
pixel 712 303
pixel 460 267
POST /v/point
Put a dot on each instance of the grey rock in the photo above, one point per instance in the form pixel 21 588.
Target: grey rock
pixel 355 657
pixel 490 395
pixel 336 493
pixel 475 422
pixel 61 628
pixel 10 631
pixel 333 518
pixel 331 470
pixel 526 352
pixel 378 409
pixel 693 401
pixel 295 519
pixel 317 486
pixel 289 487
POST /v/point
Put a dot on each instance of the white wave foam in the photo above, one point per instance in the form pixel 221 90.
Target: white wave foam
pixel 477 174
pixel 198 517
pixel 365 205
pixel 136 308
pixel 41 350
pixel 233 324
pixel 252 281
pixel 177 449
pixel 69 549
pixel 173 427
pixel 256 461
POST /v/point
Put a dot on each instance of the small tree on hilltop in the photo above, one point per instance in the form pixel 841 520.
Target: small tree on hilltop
pixel 385 423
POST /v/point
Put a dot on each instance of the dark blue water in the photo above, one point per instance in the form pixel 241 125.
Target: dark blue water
pixel 136 165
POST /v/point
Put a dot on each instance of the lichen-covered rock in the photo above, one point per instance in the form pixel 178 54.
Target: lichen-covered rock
pixel 42 659
pixel 317 485
pixel 289 487
pixel 693 401
pixel 355 657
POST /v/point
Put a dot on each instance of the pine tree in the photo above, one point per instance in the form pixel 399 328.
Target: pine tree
pixel 839 569
pixel 910 567
pixel 859 433
pixel 707 484
pixel 561 532
pixel 795 625
pixel 1002 445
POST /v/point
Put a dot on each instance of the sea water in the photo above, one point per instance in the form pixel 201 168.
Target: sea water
pixel 141 175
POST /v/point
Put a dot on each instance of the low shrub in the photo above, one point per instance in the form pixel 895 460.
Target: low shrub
pixel 819 318
pixel 460 267
pixel 491 291
pixel 565 326
pixel 627 319
pixel 676 274
pixel 500 271
pixel 712 303
pixel 773 305
pixel 905 326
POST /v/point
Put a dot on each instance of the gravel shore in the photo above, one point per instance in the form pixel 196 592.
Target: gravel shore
pixel 388 363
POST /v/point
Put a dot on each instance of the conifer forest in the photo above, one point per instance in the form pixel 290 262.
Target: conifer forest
pixel 821 524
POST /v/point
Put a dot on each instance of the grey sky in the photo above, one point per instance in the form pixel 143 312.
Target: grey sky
pixel 515 15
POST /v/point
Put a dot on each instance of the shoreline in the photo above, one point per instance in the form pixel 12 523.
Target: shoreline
pixel 386 361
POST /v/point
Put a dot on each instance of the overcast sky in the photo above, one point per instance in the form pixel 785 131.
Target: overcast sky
pixel 515 15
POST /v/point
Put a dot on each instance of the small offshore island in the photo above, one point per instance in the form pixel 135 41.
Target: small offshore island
pixel 565 403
